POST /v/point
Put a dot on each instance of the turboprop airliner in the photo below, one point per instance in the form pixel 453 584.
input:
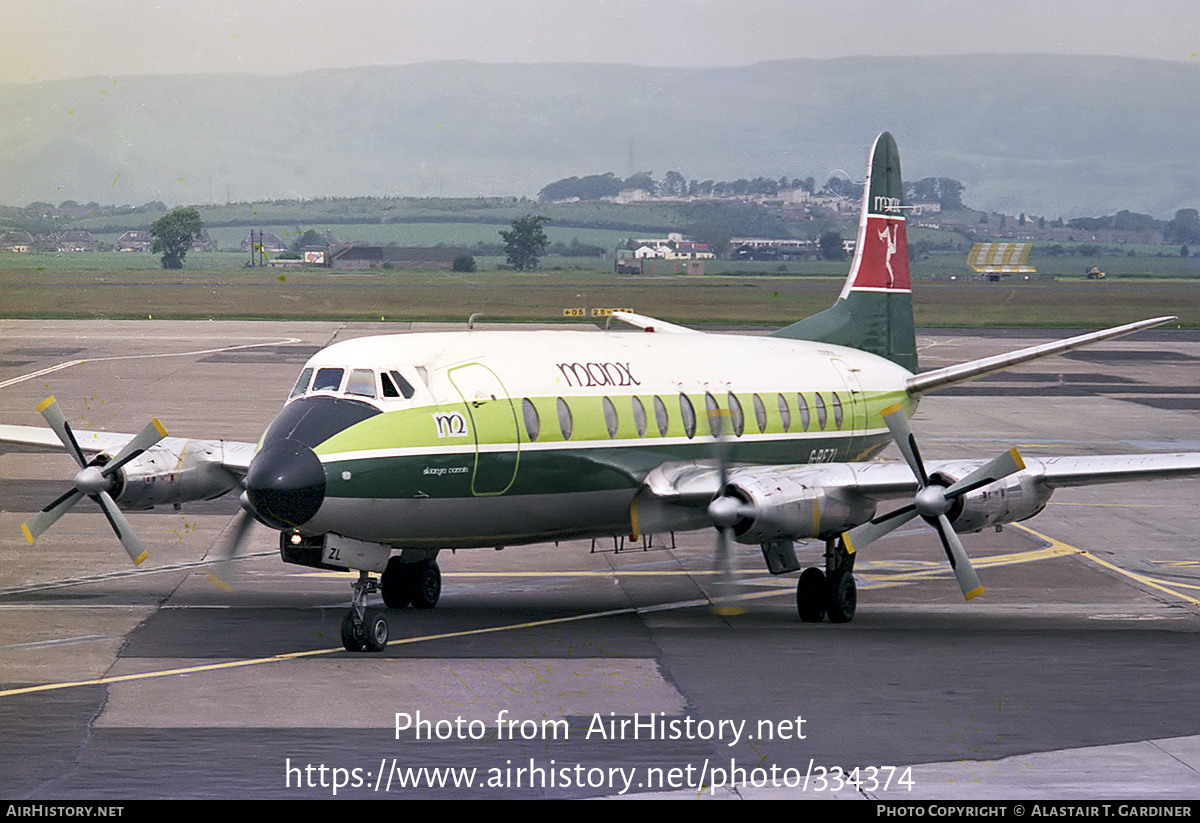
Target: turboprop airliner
pixel 392 448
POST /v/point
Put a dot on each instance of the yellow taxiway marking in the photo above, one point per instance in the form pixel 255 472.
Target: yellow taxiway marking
pixel 280 658
pixel 883 580
pixel 1055 548
pixel 1140 578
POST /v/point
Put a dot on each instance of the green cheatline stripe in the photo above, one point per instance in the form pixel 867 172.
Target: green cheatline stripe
pixel 416 428
pixel 561 470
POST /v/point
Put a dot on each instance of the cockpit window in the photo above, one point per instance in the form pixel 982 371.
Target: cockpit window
pixel 361 383
pixel 405 387
pixel 328 379
pixel 301 384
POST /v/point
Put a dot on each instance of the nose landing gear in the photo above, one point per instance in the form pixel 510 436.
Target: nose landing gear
pixel 417 583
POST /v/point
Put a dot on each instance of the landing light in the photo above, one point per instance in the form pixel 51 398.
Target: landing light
pixel 296 539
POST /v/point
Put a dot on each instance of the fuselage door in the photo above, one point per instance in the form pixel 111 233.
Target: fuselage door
pixel 493 425
pixel 854 407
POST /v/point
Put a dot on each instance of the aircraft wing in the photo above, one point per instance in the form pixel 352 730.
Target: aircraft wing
pixel 232 455
pixel 776 491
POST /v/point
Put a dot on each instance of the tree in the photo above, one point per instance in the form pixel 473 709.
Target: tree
pixel 464 263
pixel 173 234
pixel 1183 228
pixel 525 242
pixel 831 246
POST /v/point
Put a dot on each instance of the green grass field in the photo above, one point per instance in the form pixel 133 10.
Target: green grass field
pixel 219 286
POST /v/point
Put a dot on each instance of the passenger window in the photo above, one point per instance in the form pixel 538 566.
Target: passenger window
pixel 403 385
pixel 361 383
pixel 785 414
pixel 716 420
pixel 837 411
pixel 639 416
pixel 660 416
pixel 610 417
pixel 301 384
pixel 689 415
pixel 802 407
pixel 533 423
pixel 565 422
pixel 819 402
pixel 328 379
pixel 760 414
pixel 736 416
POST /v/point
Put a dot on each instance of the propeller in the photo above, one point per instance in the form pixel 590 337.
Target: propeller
pixel 933 501
pixel 95 479
pixel 229 545
pixel 725 511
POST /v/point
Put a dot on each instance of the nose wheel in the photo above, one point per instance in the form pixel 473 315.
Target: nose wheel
pixel 363 628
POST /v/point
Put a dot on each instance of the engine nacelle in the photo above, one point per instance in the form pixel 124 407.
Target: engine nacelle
pixel 785 508
pixel 174 472
pixel 1017 497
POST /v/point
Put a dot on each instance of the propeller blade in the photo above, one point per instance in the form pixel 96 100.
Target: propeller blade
pixel 122 528
pixel 968 581
pixel 897 423
pixel 872 530
pixel 228 546
pixel 724 511
pixel 146 438
pixel 727 579
pixel 58 423
pixel 48 516
pixel 996 469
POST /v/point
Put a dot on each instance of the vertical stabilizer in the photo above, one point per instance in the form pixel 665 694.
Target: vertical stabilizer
pixel 874 311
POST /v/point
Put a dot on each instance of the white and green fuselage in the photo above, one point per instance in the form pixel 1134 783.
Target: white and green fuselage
pixel 516 437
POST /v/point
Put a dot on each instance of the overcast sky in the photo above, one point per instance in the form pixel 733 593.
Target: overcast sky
pixel 54 39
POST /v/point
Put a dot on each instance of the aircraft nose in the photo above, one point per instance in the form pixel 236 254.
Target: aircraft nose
pixel 285 483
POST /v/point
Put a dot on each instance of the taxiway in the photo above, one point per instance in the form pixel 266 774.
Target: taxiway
pixel 1072 677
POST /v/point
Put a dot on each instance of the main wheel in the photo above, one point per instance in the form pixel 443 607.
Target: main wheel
pixel 810 595
pixel 393 586
pixel 375 631
pixel 424 584
pixel 352 636
pixel 841 597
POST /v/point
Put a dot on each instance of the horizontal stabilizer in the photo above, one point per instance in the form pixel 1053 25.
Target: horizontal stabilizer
pixel 645 323
pixel 949 376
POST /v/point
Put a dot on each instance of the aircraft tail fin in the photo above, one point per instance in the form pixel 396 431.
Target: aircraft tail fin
pixel 874 311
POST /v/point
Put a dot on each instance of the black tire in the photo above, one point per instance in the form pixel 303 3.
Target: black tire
pixel 424 584
pixel 810 595
pixel 393 585
pixel 375 631
pixel 352 636
pixel 841 597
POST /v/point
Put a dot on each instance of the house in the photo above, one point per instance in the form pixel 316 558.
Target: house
pixel 77 241
pixel 270 242
pixel 135 241
pixel 17 241
pixel 205 242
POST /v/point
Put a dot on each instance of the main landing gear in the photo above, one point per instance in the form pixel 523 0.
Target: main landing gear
pixel 417 584
pixel 830 593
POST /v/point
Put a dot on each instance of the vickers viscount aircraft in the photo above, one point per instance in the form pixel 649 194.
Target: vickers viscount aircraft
pixel 392 448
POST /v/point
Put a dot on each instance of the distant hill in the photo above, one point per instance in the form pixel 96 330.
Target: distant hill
pixel 1065 136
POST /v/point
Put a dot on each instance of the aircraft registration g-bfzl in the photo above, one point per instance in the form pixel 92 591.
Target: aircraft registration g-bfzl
pixel 392 448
